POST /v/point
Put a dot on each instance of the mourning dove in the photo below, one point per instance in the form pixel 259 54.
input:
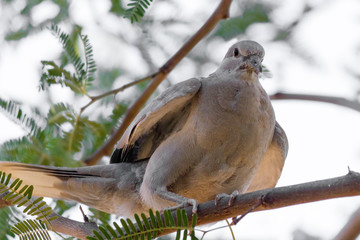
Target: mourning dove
pixel 198 139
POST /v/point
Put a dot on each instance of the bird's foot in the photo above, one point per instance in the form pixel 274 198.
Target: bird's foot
pixel 186 203
pixel 225 195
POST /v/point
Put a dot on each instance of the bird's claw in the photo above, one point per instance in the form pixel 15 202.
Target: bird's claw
pixel 225 195
pixel 188 202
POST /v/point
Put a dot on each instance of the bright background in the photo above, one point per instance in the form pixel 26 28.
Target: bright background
pixel 321 56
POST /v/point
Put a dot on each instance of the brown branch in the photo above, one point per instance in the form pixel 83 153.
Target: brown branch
pixel 116 91
pixel 60 224
pixel 72 228
pixel 352 104
pixel 352 228
pixel 345 186
pixel 221 12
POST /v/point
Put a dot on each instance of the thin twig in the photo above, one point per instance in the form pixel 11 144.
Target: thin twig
pixel 236 220
pixel 221 12
pixel 352 104
pixel 116 91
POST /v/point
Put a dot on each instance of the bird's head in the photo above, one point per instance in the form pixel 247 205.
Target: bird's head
pixel 244 56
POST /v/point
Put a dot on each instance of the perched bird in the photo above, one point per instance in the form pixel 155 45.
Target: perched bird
pixel 199 139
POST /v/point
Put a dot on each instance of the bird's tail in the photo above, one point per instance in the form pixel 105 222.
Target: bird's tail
pixel 96 186
pixel 47 181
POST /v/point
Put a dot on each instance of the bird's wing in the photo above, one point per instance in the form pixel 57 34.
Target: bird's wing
pixel 272 164
pixel 163 115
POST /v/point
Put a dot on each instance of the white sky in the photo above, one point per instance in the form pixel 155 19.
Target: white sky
pixel 324 139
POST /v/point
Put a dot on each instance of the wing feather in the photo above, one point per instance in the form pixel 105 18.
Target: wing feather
pixel 272 164
pixel 156 121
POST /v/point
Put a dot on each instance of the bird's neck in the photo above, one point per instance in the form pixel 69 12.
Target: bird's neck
pixel 244 75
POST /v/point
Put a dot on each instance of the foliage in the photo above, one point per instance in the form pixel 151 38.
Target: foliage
pixel 24 13
pixel 84 69
pixel 98 216
pixel 134 12
pixel 6 221
pixel 16 114
pixel 137 9
pixel 37 229
pixel 30 229
pixel 22 196
pixel 149 227
pixel 63 134
pixel 234 26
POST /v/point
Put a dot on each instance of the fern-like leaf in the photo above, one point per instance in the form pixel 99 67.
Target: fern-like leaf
pixel 148 228
pixel 53 74
pixel 60 113
pixel 16 114
pixel 89 61
pixel 136 9
pixel 20 195
pixel 70 49
pixel 84 70
pixel 74 138
pixel 6 220
pixel 30 229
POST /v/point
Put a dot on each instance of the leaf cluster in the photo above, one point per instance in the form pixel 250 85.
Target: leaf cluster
pixel 63 135
pixel 134 11
pixel 149 228
pixel 18 195
pixel 84 69
pixel 137 9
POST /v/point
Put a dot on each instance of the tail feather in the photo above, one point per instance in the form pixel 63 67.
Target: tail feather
pixel 110 188
pixel 47 181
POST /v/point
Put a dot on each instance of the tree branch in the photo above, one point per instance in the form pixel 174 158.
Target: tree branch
pixel 116 91
pixel 73 228
pixel 60 224
pixel 352 228
pixel 221 12
pixel 352 104
pixel 345 186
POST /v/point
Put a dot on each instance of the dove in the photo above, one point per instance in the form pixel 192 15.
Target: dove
pixel 199 140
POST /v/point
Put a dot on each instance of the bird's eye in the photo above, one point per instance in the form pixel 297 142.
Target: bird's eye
pixel 236 52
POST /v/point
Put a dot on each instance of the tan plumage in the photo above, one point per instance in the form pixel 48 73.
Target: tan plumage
pixel 199 138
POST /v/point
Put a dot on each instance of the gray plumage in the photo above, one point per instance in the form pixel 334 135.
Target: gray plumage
pixel 199 138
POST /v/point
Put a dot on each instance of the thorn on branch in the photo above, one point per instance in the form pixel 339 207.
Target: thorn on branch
pixel 261 202
pixel 86 219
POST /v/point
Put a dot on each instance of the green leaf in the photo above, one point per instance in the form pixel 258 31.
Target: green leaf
pixel 117 113
pixel 84 70
pixel 16 114
pixel 119 230
pixel 234 26
pixel 99 216
pixel 125 226
pixel 74 137
pixel 104 232
pixel 116 7
pixel 60 113
pixel 13 36
pixel 62 206
pixel 136 9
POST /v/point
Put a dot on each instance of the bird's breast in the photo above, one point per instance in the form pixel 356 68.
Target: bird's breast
pixel 238 115
pixel 232 126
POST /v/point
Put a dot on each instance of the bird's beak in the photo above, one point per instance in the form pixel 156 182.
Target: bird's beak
pixel 253 64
